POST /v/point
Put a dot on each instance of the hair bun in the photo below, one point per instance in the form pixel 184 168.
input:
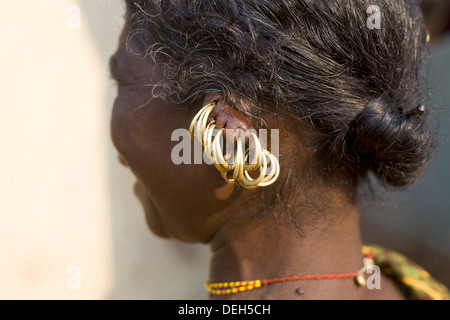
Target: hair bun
pixel 392 142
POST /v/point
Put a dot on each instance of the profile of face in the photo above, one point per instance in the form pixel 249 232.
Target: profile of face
pixel 187 201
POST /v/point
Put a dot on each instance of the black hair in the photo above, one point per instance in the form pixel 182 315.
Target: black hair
pixel 316 60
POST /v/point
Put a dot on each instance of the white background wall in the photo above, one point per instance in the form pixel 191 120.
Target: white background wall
pixel 64 199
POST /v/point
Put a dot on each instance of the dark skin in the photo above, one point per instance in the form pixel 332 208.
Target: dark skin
pixel 192 203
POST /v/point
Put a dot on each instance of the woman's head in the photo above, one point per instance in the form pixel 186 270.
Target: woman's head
pixel 342 94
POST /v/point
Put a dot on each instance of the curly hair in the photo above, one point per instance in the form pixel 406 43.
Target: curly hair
pixel 315 60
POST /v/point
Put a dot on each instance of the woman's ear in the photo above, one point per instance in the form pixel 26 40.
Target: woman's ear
pixel 225 115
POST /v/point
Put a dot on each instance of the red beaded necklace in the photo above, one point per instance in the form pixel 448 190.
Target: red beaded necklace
pixel 226 288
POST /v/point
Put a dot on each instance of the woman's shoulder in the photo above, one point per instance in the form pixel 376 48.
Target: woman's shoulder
pixel 413 281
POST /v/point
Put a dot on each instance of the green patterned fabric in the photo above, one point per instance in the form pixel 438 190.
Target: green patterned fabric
pixel 413 281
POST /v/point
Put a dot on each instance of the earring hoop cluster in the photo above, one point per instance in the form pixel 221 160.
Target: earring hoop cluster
pixel 234 162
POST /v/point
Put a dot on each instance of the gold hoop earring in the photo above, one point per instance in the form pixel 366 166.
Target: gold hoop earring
pixel 241 164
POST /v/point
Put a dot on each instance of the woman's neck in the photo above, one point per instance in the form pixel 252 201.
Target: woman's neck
pixel 271 246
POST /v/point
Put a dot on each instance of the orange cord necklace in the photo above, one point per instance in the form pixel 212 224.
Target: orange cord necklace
pixel 226 288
